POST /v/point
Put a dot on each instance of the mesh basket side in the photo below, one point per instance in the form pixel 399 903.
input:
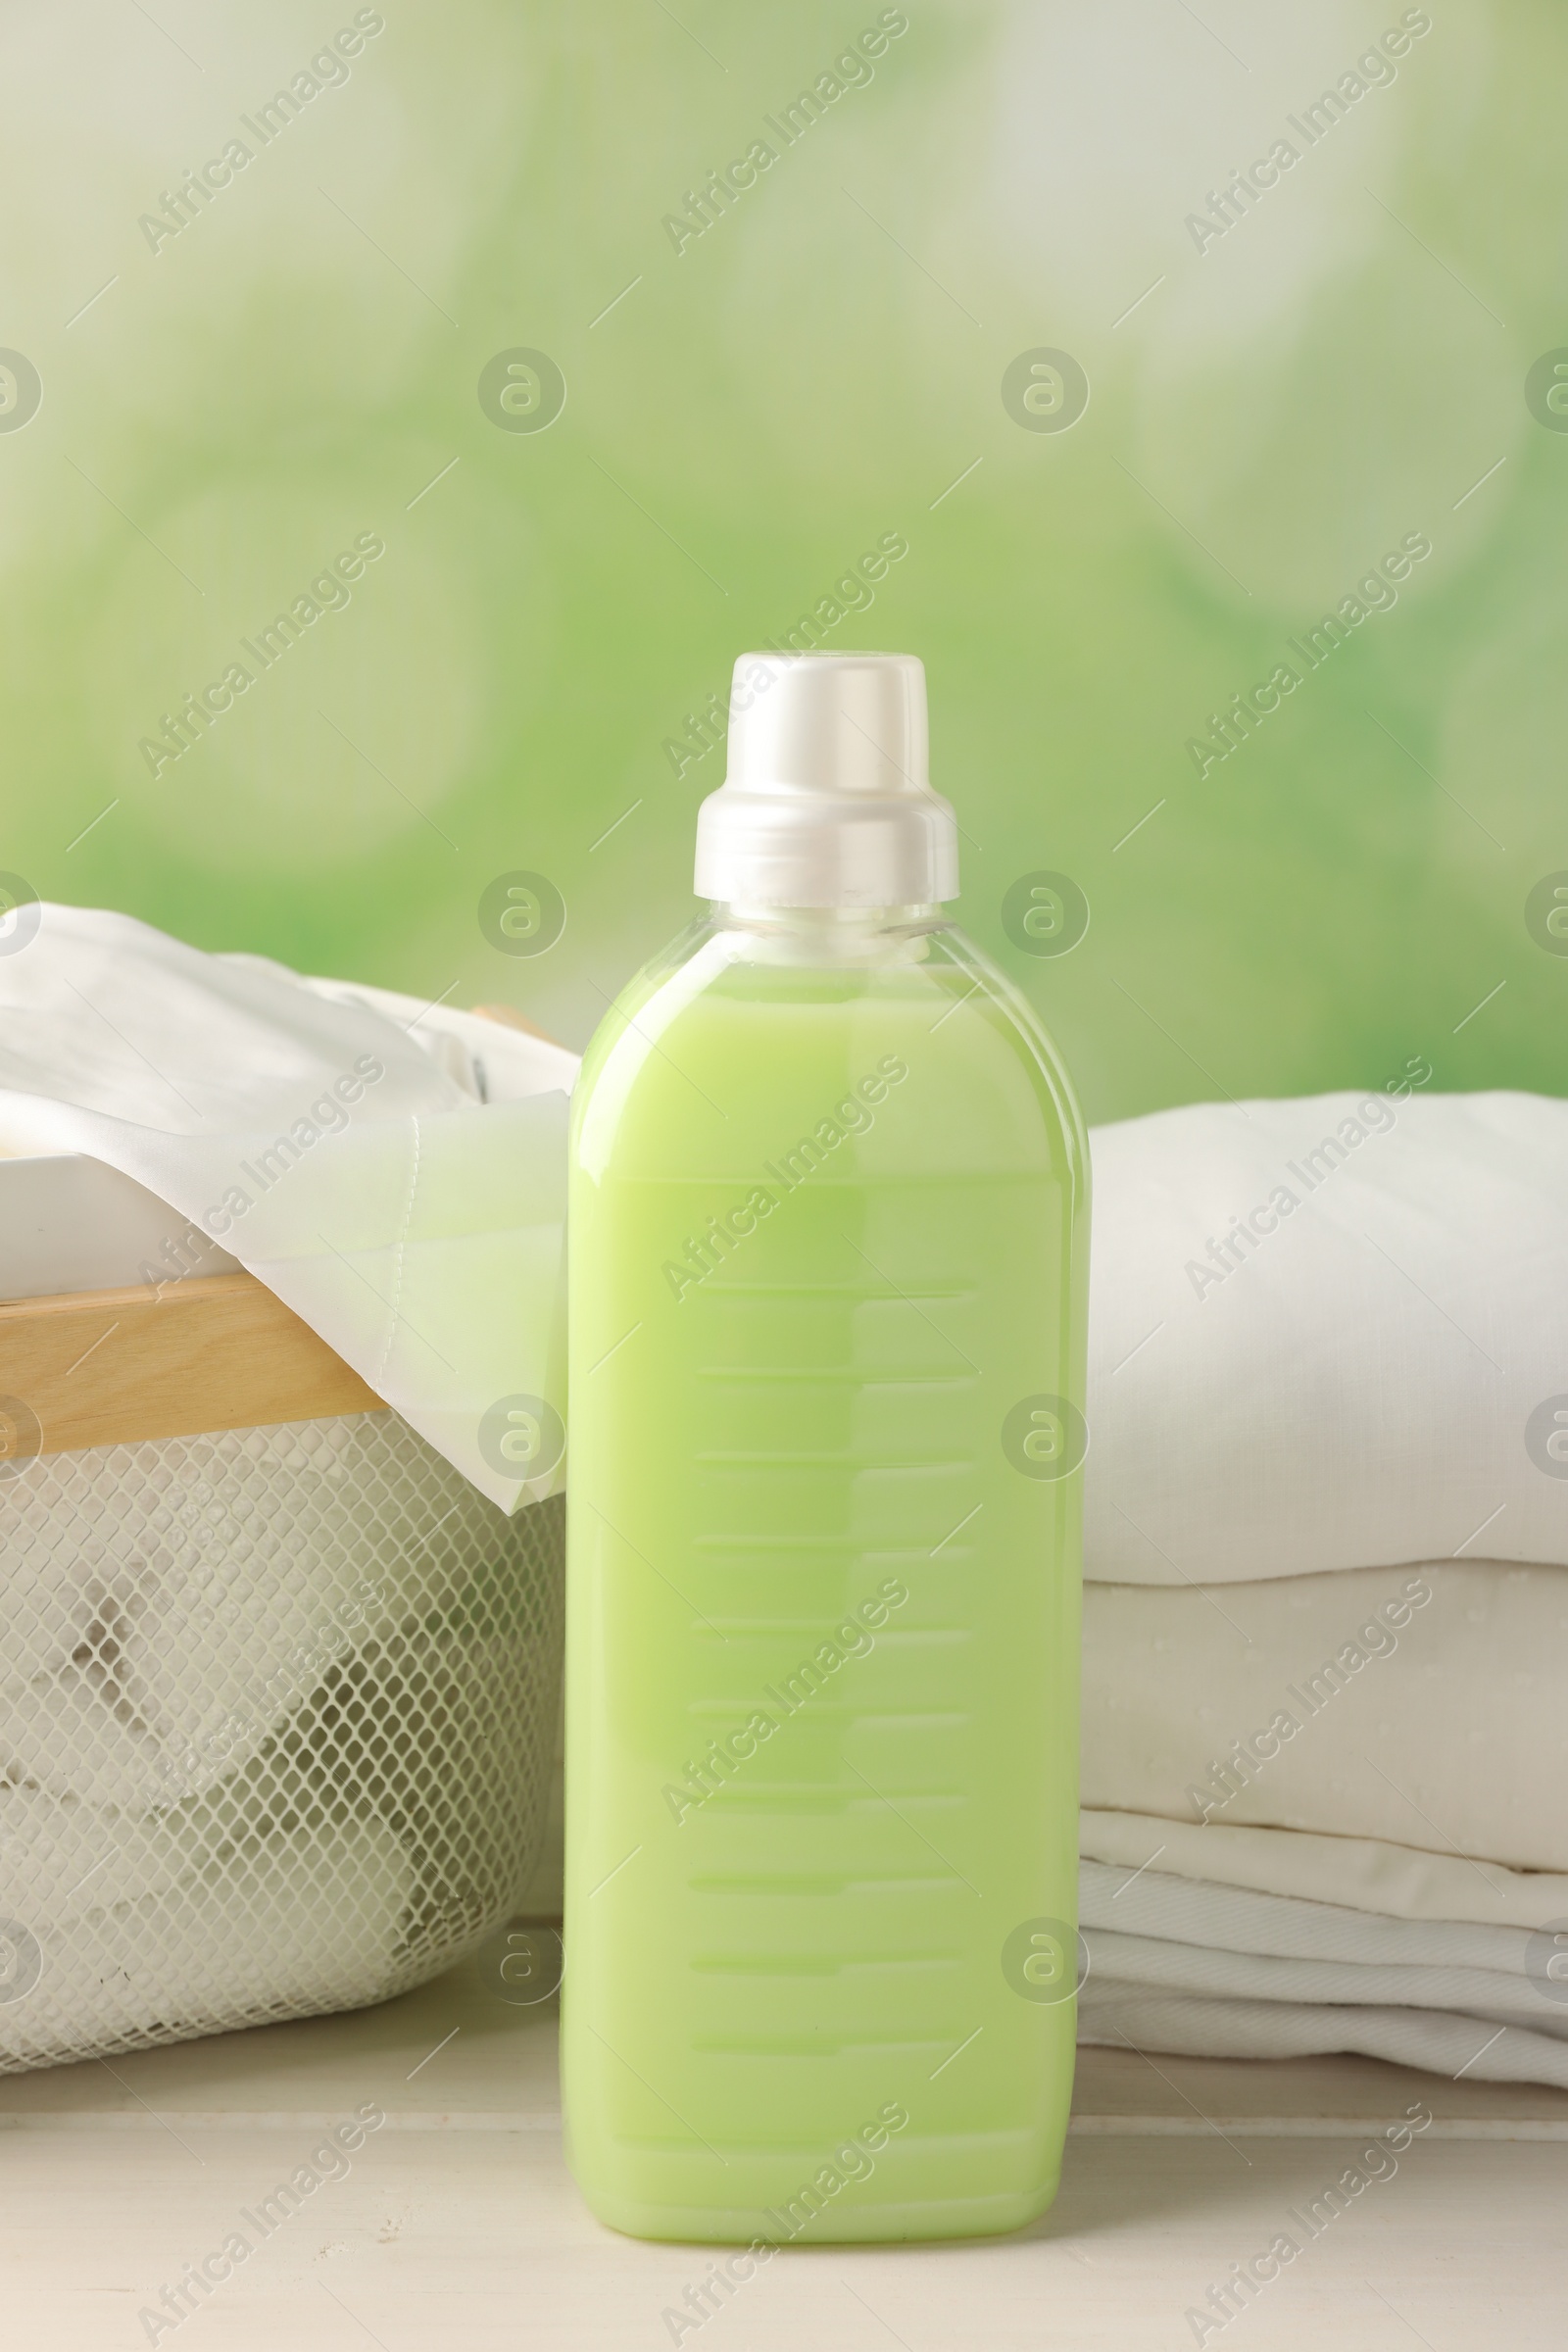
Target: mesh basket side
pixel 276 1717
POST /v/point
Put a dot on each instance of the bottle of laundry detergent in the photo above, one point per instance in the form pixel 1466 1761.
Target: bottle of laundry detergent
pixel 828 1256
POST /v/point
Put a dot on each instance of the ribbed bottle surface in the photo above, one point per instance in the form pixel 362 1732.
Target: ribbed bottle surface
pixel 827 1232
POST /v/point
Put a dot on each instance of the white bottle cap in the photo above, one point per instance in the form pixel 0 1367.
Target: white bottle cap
pixel 825 801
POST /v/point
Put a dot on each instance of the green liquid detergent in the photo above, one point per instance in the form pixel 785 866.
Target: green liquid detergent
pixel 828 1246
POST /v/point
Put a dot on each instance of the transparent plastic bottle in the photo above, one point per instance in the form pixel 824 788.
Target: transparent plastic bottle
pixel 828 1258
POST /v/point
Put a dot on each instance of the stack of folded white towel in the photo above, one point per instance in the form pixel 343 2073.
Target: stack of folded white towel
pixel 1325 1747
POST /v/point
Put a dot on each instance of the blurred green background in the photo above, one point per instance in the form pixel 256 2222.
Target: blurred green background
pixel 228 405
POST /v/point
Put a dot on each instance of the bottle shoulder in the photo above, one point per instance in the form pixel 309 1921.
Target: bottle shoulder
pixel 923 1054
pixel 1014 1013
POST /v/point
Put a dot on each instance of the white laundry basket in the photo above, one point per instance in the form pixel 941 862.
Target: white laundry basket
pixel 278 1686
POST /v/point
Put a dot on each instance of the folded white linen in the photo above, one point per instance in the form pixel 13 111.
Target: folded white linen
pixel 1328 1333
pixel 407 1204
pixel 1418 1707
pixel 1157 1907
pixel 1359 1874
pixel 1156 1965
pixel 1215 1971
pixel 1119 2015
pixel 1171 1936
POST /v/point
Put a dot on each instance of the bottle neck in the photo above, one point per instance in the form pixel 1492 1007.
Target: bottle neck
pixel 830 936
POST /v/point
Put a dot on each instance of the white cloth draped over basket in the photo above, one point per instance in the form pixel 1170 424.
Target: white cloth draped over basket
pixel 395 1172
pixel 278 1705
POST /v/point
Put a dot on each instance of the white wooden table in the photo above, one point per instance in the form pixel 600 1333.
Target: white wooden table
pixel 456 2222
